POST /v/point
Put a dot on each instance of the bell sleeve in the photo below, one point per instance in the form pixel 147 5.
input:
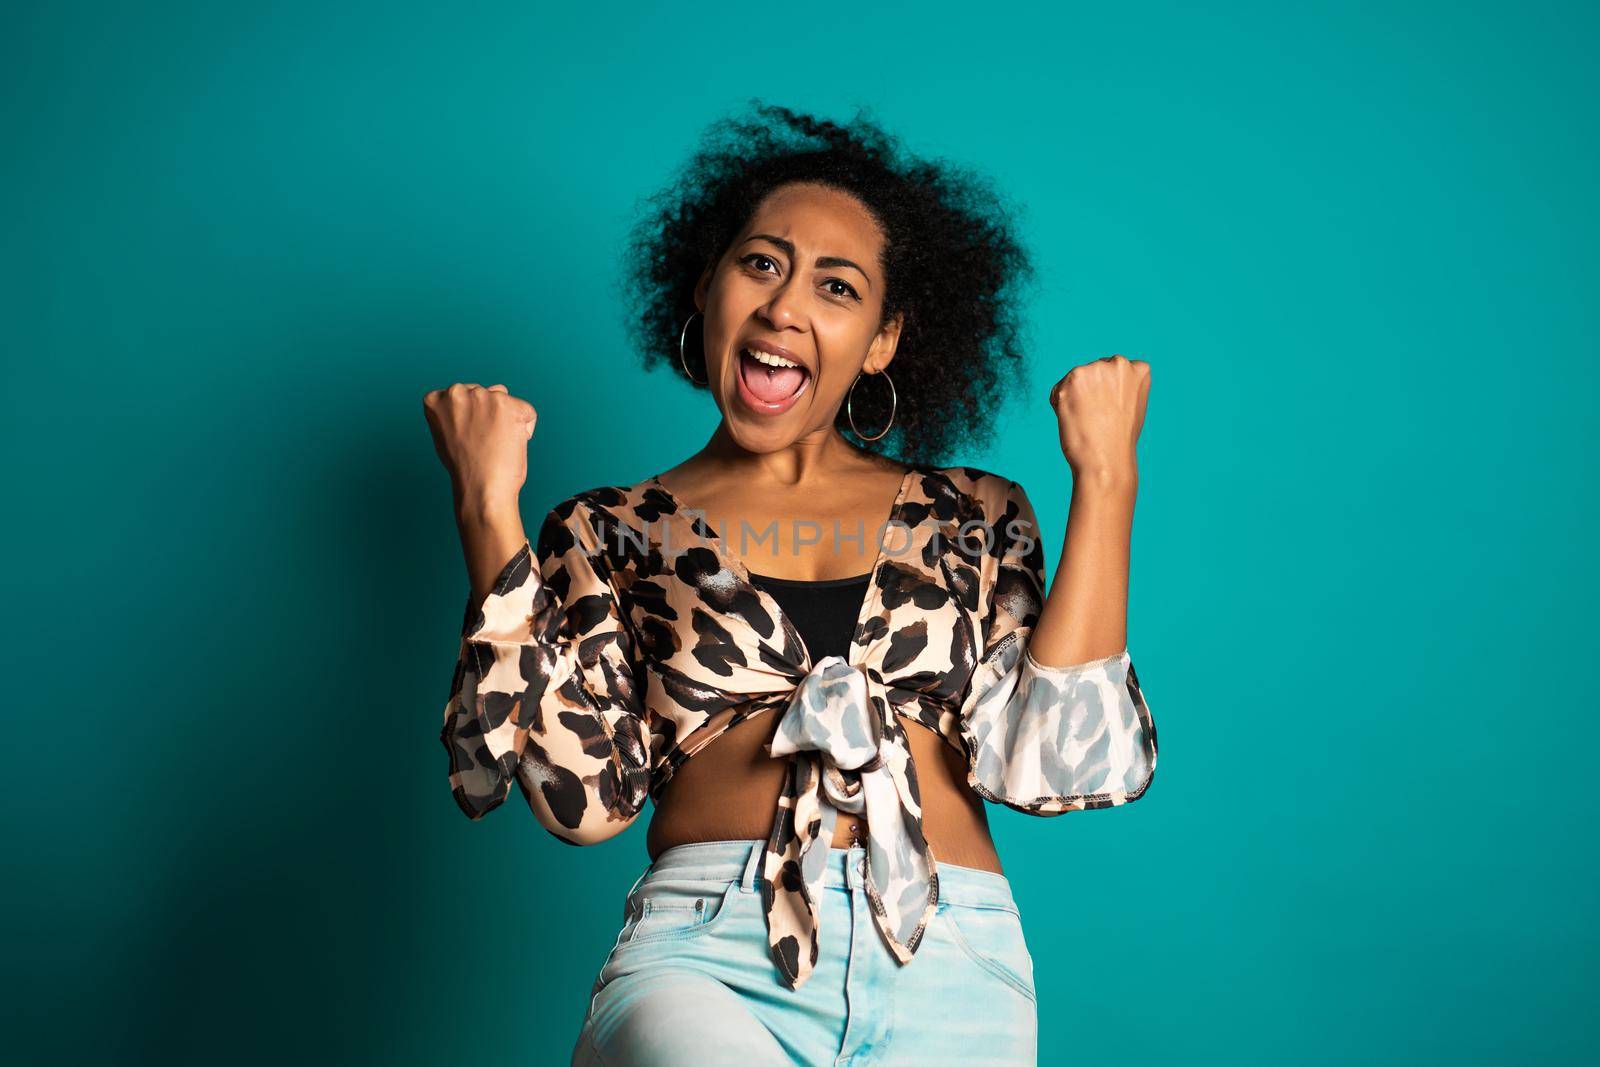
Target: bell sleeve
pixel 545 690
pixel 1048 740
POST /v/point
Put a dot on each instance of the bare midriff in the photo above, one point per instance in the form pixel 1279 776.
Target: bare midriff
pixel 729 791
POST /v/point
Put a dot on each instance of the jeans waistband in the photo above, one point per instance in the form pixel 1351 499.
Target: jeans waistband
pixel 740 861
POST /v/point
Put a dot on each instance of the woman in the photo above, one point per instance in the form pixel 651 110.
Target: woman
pixel 823 886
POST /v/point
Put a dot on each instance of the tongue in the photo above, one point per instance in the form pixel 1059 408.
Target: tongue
pixel 771 384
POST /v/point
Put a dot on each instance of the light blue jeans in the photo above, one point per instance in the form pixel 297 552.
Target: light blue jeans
pixel 689 979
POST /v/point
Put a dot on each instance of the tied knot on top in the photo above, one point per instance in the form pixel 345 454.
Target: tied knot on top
pixel 843 760
pixel 831 714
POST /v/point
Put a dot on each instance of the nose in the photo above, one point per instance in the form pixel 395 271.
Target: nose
pixel 784 310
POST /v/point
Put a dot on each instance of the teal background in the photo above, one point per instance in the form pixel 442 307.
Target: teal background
pixel 1356 244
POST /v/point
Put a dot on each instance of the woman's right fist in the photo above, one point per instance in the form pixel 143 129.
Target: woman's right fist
pixel 482 437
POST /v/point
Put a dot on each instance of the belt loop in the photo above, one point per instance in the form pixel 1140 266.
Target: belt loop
pixel 747 881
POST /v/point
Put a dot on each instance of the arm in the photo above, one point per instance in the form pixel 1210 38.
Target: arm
pixel 1054 717
pixel 1086 614
pixel 544 688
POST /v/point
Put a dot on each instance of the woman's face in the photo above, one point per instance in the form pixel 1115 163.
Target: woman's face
pixel 792 315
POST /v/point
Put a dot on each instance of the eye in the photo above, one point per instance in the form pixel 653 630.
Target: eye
pixel 849 290
pixel 752 257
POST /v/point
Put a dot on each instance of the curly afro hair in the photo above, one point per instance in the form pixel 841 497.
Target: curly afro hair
pixel 953 262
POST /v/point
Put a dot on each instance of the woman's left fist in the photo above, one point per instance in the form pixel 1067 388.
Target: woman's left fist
pixel 1100 407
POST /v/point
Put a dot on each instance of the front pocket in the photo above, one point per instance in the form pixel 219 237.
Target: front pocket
pixel 992 937
pixel 674 917
pixel 678 910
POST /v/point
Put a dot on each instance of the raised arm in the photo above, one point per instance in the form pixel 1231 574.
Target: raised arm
pixel 1054 717
pixel 544 687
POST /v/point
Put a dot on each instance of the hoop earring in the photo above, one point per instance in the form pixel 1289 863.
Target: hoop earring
pixel 849 406
pixel 683 361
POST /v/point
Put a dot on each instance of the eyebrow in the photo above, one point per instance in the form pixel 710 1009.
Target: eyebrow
pixel 822 261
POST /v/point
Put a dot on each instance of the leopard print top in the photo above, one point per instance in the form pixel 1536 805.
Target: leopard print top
pixel 638 638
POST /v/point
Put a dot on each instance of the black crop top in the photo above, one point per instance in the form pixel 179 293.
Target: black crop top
pixel 824 612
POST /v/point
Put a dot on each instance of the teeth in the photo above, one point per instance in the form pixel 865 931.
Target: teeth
pixel 769 359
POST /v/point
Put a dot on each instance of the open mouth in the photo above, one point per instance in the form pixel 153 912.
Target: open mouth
pixel 772 383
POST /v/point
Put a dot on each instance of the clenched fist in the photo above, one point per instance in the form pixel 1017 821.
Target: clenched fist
pixel 1100 407
pixel 482 437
